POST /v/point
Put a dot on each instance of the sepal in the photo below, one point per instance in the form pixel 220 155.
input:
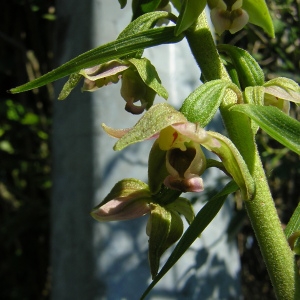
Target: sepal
pixel 128 199
pixel 184 207
pixel 280 91
pixel 157 171
pixel 233 163
pixel 164 228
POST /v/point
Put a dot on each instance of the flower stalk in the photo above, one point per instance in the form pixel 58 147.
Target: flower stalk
pixel 274 247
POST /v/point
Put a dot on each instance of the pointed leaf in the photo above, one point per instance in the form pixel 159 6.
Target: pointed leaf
pixel 69 86
pixel 144 22
pixel 248 70
pixel 203 218
pixel 259 15
pixel 273 121
pixel 102 54
pixel 201 105
pixel 294 223
pixel 190 11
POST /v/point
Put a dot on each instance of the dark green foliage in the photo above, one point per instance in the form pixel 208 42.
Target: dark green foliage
pixel 25 123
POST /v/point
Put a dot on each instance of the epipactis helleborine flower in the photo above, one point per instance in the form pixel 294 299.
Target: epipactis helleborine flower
pixel 181 140
pixel 133 88
pixel 175 132
pixel 131 198
pixel 228 15
pixel 280 92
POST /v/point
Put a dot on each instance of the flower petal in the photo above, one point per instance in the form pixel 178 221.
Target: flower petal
pixel 121 209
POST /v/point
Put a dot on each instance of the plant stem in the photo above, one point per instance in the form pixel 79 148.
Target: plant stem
pixel 275 250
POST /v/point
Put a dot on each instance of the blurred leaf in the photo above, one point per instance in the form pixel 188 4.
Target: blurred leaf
pixel 30 119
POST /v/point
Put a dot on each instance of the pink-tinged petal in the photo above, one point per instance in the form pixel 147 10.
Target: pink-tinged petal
pixel 192 131
pixel 193 184
pixel 121 209
pixel 282 93
pixel 104 70
pixel 116 133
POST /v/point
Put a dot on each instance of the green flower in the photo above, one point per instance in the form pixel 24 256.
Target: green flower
pixel 176 158
pixel 140 82
pixel 133 88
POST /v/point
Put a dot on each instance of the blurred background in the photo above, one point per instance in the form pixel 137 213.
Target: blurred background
pixel 27 50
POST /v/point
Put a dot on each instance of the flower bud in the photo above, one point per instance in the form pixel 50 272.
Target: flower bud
pixel 128 199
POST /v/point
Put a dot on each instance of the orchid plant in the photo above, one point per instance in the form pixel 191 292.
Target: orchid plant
pixel 234 84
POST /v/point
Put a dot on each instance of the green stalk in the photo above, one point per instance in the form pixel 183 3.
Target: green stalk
pixel 275 250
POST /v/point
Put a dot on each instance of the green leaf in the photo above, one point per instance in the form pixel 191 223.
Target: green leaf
pixel 141 7
pixel 292 231
pixel 190 11
pixel 163 114
pixel 259 15
pixel 143 23
pixel 105 53
pixel 149 75
pixel 69 86
pixel 202 219
pixel 294 223
pixel 248 70
pixel 273 121
pixel 254 95
pixel 151 5
pixel 201 105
